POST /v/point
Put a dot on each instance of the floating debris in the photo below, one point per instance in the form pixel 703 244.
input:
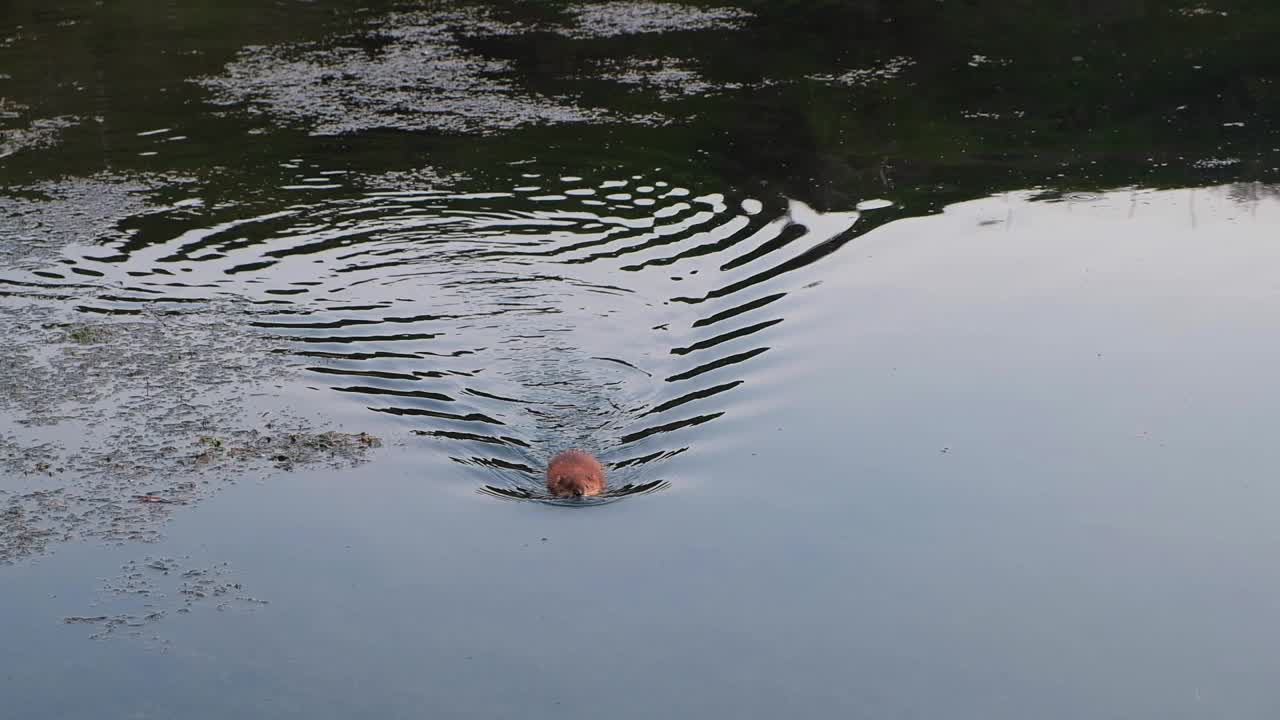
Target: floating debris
pixel 863 77
pixel 420 78
pixel 149 415
pixel 147 597
pixel 671 78
pixel 285 448
pixel 611 19
pixel 40 133
pixel 86 334
pixel 152 499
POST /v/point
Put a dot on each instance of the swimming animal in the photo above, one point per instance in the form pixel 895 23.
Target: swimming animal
pixel 574 473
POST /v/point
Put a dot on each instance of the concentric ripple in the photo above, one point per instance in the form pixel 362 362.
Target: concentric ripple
pixel 615 314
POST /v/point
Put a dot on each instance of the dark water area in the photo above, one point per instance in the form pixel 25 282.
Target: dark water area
pixel 929 347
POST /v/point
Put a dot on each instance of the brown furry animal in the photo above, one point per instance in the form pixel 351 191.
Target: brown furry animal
pixel 574 473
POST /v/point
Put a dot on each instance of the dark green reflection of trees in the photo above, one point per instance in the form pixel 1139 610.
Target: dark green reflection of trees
pixel 997 94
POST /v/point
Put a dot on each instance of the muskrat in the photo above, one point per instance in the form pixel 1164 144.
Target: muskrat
pixel 574 473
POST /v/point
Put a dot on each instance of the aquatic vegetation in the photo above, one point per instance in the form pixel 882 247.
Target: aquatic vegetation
pixel 419 78
pixel 86 334
pixel 99 416
pixel 631 17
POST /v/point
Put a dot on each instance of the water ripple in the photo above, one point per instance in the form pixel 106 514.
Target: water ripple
pixel 497 326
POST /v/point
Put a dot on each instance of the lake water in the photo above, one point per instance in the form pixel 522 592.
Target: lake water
pixel 929 346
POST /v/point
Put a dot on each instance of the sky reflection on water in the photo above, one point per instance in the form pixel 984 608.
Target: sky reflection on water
pixel 931 350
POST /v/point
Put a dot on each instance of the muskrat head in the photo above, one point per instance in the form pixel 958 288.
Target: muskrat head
pixel 574 473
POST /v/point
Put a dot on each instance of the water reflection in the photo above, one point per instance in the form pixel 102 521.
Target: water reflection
pixel 502 324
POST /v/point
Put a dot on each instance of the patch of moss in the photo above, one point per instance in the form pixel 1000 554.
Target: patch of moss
pixel 86 334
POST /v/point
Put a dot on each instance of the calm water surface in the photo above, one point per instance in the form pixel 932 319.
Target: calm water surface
pixel 929 346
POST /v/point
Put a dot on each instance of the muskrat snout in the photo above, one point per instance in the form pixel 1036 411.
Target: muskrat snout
pixel 575 473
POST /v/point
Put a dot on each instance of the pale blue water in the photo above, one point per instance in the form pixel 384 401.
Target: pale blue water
pixel 950 429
